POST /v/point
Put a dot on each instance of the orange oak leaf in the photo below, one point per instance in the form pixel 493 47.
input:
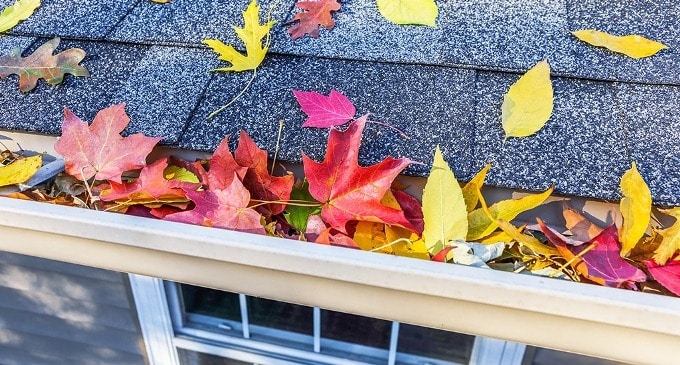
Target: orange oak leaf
pixel 224 208
pixel 351 192
pixel 257 180
pixel 313 14
pixel 150 187
pixel 99 150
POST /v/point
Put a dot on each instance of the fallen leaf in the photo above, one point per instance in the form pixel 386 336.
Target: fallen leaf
pixel 633 45
pixel 314 13
pixel 406 243
pixel 480 225
pixel 598 259
pixel 667 275
pixel 325 111
pixel 670 243
pixel 42 64
pixel 223 167
pixel 40 196
pixel 636 207
pixel 99 150
pixel 529 103
pixel 262 186
pixel 20 170
pixel 472 188
pixel 348 191
pixel 14 14
pixel 580 227
pixel 444 210
pixel 412 208
pixel 226 208
pixel 371 236
pixel 251 34
pixel 298 215
pixel 417 12
pixel 476 254
pixel 536 247
pixel 178 173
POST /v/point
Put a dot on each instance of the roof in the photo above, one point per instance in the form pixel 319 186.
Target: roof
pixel 442 86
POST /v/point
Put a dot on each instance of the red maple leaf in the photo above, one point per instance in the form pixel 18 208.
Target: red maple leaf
pixel 150 186
pixel 257 180
pixel 325 111
pixel 223 167
pixel 349 191
pixel 602 263
pixel 667 275
pixel 224 208
pixel 314 13
pixel 99 150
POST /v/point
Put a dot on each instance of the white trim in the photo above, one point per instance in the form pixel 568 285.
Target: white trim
pixel 154 319
pixel 593 320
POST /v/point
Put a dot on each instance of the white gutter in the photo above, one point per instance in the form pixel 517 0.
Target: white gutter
pixel 597 321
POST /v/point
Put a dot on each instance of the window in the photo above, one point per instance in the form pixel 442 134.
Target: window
pixel 268 331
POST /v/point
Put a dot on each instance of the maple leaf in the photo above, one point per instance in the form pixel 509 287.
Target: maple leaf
pixel 325 111
pixel 225 208
pixel 667 275
pixel 42 64
pixel 257 180
pixel 418 12
pixel 251 34
pixel 99 150
pixel 528 104
pixel 151 186
pixel 13 15
pixel 599 259
pixel 314 13
pixel 349 191
pixel 223 167
pixel 633 45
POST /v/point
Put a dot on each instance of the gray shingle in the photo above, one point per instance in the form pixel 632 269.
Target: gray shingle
pixel 8 43
pixel 581 149
pixel 433 109
pixel 91 19
pixel 652 120
pixel 657 20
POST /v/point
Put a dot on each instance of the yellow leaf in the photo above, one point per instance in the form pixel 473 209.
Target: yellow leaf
pixel 636 207
pixel 671 238
pixel 419 12
pixel 495 237
pixel 20 170
pixel 471 189
pixel 370 236
pixel 481 225
pixel 251 34
pixel 406 243
pixel 180 174
pixel 443 207
pixel 13 15
pixel 532 243
pixel 529 103
pixel 634 46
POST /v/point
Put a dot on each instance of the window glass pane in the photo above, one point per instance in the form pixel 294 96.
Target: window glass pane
pixel 356 329
pixel 541 356
pixel 211 302
pixel 280 315
pixel 187 357
pixel 434 343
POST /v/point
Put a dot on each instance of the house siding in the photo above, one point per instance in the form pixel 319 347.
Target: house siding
pixel 58 313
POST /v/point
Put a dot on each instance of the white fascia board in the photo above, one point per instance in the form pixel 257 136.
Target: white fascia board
pixel 604 322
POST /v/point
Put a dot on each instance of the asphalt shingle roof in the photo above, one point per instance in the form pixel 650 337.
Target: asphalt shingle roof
pixel 442 86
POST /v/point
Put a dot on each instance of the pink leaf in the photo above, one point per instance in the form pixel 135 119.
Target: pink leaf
pixel 325 111
pixel 667 275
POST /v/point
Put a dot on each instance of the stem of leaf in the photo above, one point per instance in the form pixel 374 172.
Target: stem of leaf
pixel 297 203
pixel 276 150
pixel 577 256
pixel 391 127
pixel 89 191
pixel 235 97
pixel 390 244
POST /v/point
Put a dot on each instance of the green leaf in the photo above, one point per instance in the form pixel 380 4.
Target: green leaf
pixel 13 15
pixel 418 12
pixel 297 215
pixel 529 103
pixel 443 207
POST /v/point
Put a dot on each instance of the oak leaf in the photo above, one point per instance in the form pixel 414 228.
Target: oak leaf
pixel 325 111
pixel 636 207
pixel 348 191
pixel 444 209
pixel 418 12
pixel 251 34
pixel 225 208
pixel 528 104
pixel 99 150
pixel 42 64
pixel 314 13
pixel 670 244
pixel 14 14
pixel 632 45
pixel 19 170
pixel 598 259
